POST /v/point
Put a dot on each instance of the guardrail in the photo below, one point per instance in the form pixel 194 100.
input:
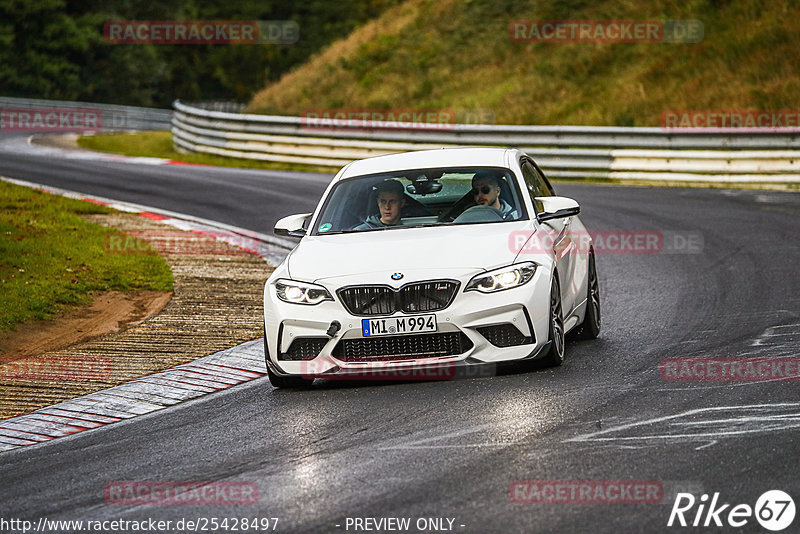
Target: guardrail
pixel 562 151
pixel 113 117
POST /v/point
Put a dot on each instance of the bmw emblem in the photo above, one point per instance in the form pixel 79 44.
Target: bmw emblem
pixel 397 276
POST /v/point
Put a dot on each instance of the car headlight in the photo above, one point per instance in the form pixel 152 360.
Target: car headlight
pixel 503 278
pixel 301 292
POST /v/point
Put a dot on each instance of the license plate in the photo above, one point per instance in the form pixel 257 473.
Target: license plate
pixel 398 325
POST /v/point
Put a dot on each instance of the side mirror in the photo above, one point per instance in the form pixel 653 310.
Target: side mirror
pixel 292 226
pixel 557 208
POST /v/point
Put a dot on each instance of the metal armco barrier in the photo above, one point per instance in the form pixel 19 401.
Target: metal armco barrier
pixel 562 151
pixel 113 117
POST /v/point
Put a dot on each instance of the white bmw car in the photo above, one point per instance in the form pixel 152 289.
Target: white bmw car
pixel 429 260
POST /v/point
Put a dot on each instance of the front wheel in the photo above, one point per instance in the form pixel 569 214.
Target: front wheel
pixel 292 382
pixel 555 355
pixel 590 327
pixel 283 381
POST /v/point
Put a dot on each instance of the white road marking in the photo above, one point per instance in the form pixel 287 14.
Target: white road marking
pixel 763 418
pixel 767 336
pixel 419 444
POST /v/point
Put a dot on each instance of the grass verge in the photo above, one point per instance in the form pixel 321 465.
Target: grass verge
pixel 50 258
pixel 159 145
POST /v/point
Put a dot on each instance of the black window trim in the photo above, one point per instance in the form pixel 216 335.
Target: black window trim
pixel 527 159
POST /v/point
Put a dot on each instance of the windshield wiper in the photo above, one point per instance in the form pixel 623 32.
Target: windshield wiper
pixel 340 232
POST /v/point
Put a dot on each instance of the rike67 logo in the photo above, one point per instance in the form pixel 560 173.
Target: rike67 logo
pixel 774 510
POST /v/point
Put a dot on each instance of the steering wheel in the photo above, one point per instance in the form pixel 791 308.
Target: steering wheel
pixel 456 209
pixel 480 214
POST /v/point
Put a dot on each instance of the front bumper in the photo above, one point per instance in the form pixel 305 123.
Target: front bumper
pixel 476 328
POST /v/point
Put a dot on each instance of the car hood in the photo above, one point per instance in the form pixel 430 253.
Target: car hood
pixel 460 248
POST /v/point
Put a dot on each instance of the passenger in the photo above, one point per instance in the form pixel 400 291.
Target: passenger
pixel 391 200
pixel 486 190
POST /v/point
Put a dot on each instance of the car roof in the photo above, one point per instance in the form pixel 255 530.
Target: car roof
pixel 445 157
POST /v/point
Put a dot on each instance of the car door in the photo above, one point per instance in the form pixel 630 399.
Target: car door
pixel 560 230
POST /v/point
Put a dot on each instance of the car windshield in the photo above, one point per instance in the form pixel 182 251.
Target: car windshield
pixel 421 197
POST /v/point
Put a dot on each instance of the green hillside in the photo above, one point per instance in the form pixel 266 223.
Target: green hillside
pixel 459 55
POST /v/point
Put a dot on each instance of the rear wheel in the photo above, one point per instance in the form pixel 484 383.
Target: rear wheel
pixel 555 355
pixel 590 327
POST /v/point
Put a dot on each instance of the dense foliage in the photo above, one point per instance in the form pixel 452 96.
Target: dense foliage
pixel 55 49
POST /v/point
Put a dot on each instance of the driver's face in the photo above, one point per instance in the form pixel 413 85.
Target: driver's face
pixel 390 205
pixel 486 194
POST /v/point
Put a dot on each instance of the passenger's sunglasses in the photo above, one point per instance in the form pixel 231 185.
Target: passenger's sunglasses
pixel 485 190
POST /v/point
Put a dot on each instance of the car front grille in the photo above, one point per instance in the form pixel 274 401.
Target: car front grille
pixel 304 348
pixel 368 300
pixel 418 297
pixel 386 348
pixel 504 335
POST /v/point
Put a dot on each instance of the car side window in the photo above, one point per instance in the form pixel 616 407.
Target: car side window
pixel 546 183
pixel 534 181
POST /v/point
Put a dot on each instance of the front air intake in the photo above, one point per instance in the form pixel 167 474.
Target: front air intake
pixel 304 348
pixel 387 348
pixel 504 335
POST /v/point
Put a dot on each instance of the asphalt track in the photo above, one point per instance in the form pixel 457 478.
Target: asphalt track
pixel 452 449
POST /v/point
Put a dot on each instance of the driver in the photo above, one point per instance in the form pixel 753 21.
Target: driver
pixel 486 191
pixel 391 200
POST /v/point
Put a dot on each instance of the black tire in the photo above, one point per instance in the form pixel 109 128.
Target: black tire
pixel 555 355
pixel 291 382
pixel 278 381
pixel 590 327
